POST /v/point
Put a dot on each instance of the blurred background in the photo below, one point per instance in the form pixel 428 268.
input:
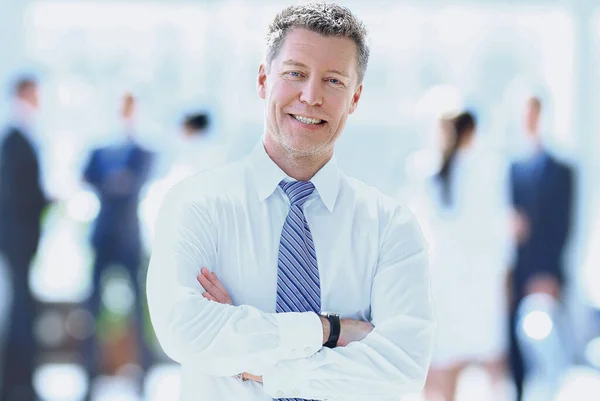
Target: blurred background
pixel 173 83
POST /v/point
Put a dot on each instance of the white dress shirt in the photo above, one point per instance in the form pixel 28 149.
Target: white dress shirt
pixel 373 266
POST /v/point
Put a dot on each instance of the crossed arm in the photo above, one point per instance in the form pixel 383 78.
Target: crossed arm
pixel 351 329
pixel 220 339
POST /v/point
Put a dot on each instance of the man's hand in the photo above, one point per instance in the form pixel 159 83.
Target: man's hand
pixel 521 227
pixel 248 376
pixel 214 289
pixel 544 284
pixel 351 330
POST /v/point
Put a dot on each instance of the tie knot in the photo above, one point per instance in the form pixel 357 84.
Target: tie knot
pixel 297 191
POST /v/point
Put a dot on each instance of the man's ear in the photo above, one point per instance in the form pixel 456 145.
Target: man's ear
pixel 261 84
pixel 355 99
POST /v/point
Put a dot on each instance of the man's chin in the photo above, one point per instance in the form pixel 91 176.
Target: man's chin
pixel 300 150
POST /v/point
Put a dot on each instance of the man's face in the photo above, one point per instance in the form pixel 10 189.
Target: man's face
pixel 532 117
pixel 128 108
pixel 310 89
pixel 31 95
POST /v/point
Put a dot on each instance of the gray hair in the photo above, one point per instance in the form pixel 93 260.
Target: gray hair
pixel 324 19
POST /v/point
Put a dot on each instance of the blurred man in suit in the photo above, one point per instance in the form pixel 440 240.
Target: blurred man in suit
pixel 117 173
pixel 542 192
pixel 22 200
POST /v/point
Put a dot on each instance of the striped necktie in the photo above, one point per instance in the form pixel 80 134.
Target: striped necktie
pixel 298 288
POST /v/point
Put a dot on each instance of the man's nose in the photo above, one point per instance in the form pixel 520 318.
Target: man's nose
pixel 312 92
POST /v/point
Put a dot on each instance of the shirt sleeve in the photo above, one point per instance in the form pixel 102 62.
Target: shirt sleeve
pixel 394 358
pixel 219 340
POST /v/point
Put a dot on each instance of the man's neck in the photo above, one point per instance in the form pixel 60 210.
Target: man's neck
pixel 301 168
pixel 535 138
pixel 23 115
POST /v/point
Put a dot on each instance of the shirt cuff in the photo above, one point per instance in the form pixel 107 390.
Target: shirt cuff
pixel 300 333
pixel 282 382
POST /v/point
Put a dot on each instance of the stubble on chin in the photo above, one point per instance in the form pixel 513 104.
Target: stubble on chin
pixel 304 152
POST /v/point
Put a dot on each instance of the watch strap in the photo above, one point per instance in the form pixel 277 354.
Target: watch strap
pixel 335 328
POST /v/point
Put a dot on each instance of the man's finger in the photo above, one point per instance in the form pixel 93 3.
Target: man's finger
pixel 222 295
pixel 214 287
pixel 205 283
pixel 215 280
pixel 209 297
pixel 249 376
pixel 209 286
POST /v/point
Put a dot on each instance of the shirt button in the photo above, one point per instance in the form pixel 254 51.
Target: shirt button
pixel 294 352
pixel 308 350
pixel 296 392
pixel 280 394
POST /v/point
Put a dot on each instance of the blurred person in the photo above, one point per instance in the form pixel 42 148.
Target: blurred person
pixel 117 173
pixel 197 150
pixel 590 275
pixel 322 288
pixel 22 200
pixel 5 304
pixel 464 209
pixel 194 151
pixel 542 192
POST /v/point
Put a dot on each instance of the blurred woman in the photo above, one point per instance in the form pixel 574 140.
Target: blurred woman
pixel 464 210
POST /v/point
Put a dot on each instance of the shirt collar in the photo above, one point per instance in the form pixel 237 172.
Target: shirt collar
pixel 267 176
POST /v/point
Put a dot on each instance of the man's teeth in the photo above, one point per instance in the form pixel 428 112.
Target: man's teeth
pixel 307 120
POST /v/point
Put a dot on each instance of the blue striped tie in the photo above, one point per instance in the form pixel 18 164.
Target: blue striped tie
pixel 298 288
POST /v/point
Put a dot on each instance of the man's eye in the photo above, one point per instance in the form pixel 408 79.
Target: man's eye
pixel 294 73
pixel 335 81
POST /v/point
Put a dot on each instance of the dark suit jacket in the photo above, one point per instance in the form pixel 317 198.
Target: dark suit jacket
pixel 544 194
pixel 118 174
pixel 21 196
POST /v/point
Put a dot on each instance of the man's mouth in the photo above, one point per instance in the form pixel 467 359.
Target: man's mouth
pixel 308 120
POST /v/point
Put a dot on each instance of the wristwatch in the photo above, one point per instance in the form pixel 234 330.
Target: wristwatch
pixel 334 329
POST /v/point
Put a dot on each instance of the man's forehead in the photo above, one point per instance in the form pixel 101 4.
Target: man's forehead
pixel 304 48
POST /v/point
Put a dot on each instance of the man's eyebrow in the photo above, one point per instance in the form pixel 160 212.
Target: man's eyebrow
pixel 295 63
pixel 300 64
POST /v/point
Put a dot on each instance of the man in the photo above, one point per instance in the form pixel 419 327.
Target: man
pixel 290 237
pixel 22 200
pixel 542 192
pixel 118 173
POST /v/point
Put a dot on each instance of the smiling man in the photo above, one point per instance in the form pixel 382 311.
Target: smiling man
pixel 322 289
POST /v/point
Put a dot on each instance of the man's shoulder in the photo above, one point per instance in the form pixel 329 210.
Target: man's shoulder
pixel 12 137
pixel 558 166
pixel 100 149
pixel 560 163
pixel 371 197
pixel 391 215
pixel 11 133
pixel 10 130
pixel 211 183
